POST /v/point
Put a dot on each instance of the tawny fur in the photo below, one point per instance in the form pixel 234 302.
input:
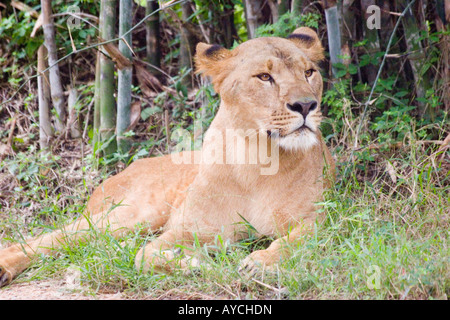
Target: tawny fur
pixel 204 200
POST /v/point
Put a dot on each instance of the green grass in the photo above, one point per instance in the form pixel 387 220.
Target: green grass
pixel 382 237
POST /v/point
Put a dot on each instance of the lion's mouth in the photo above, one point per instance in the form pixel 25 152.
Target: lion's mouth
pixel 302 128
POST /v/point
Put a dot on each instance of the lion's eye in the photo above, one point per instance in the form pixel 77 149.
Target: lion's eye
pixel 265 77
pixel 309 73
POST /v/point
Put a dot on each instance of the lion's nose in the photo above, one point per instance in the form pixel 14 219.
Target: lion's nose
pixel 303 107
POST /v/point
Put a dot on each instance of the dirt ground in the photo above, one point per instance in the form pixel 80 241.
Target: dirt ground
pixel 51 290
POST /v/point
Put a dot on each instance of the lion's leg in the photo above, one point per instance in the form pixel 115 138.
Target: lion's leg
pixel 161 255
pixel 266 259
pixel 157 254
pixel 120 220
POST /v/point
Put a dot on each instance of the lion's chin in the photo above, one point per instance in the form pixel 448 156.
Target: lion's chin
pixel 298 141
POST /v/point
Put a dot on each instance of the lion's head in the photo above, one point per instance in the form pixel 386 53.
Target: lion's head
pixel 271 83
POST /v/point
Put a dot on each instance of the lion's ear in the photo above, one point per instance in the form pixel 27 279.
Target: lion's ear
pixel 307 40
pixel 210 60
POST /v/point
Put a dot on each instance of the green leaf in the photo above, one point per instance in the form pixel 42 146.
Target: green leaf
pixel 352 69
pixel 341 73
pixel 147 112
pixel 32 47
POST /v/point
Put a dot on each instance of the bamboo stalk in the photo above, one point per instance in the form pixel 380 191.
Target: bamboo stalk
pixel 45 125
pixel 227 22
pixel 283 7
pixel 124 78
pixel 334 33
pixel 411 30
pixel 444 46
pixel 296 6
pixel 273 10
pixel 373 43
pixel 187 43
pixel 153 37
pixel 54 76
pixel 107 102
pixel 252 10
pixel 348 32
pixel 97 98
pixel 73 123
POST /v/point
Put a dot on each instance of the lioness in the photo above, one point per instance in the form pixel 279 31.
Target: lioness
pixel 269 86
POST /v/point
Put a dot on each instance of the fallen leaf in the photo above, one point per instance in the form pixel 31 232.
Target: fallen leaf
pixel 135 114
pixel 391 171
pixel 37 25
pixel 4 150
pixel 148 83
pixel 117 56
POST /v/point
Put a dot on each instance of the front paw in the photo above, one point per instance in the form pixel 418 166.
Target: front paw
pixel 5 276
pixel 257 262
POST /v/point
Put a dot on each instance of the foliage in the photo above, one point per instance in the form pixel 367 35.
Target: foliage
pixel 378 240
pixel 388 212
pixel 287 23
pixel 17 35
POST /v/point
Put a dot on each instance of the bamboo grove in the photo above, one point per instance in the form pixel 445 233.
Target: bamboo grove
pixel 140 46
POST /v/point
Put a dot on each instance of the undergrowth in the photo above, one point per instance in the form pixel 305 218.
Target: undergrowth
pixel 384 233
pixel 384 228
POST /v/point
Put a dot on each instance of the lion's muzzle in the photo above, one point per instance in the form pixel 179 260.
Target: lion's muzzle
pixel 303 107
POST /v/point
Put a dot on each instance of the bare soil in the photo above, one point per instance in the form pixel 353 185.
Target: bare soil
pixel 52 290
